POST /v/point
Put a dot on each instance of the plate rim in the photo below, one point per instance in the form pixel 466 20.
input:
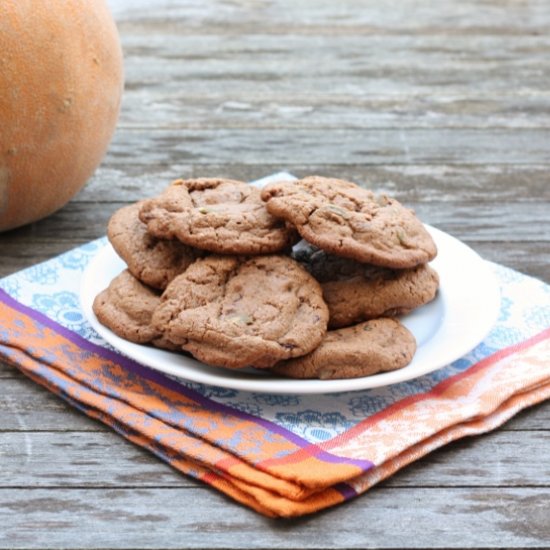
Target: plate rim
pixel 243 381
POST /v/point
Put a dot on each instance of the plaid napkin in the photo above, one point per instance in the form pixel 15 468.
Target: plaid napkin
pixel 282 455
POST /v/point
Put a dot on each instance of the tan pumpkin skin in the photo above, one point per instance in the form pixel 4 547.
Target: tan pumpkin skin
pixel 61 81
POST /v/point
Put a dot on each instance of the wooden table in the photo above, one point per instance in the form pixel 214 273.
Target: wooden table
pixel 445 105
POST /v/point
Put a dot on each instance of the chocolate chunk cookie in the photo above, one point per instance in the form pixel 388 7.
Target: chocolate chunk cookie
pixel 235 312
pixel 356 292
pixel 126 307
pixel 152 260
pixel 361 350
pixel 344 219
pixel 219 215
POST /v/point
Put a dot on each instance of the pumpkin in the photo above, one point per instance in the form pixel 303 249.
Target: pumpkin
pixel 61 82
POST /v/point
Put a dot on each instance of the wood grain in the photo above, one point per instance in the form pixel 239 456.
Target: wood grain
pixel 78 459
pixel 167 147
pixel 160 518
pixel 420 17
pixel 445 106
pixel 365 81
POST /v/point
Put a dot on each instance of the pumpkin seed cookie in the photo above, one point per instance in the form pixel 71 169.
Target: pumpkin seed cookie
pixel 344 219
pixel 220 215
pixel 235 312
pixel 378 345
pixel 126 307
pixel 356 292
pixel 153 261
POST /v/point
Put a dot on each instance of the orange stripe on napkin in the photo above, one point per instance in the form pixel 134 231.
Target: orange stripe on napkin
pixel 469 396
pixel 190 437
pixel 252 460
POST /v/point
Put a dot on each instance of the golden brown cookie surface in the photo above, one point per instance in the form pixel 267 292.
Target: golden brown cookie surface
pixel 356 292
pixel 219 215
pixel 235 312
pixel 153 261
pixel 126 307
pixel 375 346
pixel 347 220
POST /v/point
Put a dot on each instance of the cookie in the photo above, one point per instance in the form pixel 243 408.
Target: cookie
pixel 126 307
pixel 153 261
pixel 344 219
pixel 356 292
pixel 235 312
pixel 378 345
pixel 219 215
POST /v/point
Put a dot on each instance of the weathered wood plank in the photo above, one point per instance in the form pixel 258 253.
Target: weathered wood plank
pixel 166 518
pixel 25 406
pixel 365 81
pixel 470 195
pixel 529 258
pixel 78 459
pixel 267 109
pixel 517 184
pixel 407 183
pixel 166 147
pixel 491 17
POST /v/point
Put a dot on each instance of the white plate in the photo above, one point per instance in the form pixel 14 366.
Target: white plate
pixel 465 309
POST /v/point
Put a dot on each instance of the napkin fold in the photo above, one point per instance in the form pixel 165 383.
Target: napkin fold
pixel 281 455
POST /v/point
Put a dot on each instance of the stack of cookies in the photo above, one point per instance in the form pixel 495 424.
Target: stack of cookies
pixel 305 278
